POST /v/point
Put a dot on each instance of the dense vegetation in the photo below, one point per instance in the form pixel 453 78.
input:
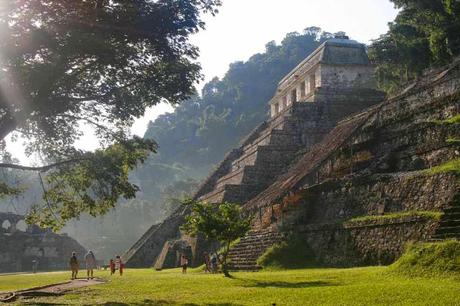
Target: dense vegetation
pixel 101 63
pixel 223 222
pixel 430 259
pixel 424 34
pixel 293 253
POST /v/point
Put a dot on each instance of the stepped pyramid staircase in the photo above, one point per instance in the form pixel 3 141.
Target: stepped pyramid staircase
pixel 449 226
pixel 260 161
pixel 244 255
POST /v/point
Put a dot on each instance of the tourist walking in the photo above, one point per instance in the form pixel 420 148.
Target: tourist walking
pixel 184 263
pixel 34 265
pixel 207 262
pixel 112 266
pixel 90 261
pixel 214 263
pixel 74 265
pixel 119 264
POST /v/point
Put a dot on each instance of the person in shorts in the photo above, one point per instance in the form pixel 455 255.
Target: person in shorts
pixel 184 263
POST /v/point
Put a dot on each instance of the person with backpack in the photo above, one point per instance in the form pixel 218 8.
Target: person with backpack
pixel 73 262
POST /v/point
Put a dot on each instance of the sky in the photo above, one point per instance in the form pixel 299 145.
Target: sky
pixel 243 27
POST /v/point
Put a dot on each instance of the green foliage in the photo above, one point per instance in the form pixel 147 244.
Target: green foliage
pixel 65 63
pixel 449 121
pixel 430 259
pixel 293 253
pixel 228 108
pixel 453 141
pixel 434 215
pixel 93 185
pixel 424 34
pixel 223 222
pixel 449 166
pixel 176 193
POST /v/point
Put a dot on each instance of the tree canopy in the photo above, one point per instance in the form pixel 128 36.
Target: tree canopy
pixel 102 63
pixel 424 34
pixel 224 222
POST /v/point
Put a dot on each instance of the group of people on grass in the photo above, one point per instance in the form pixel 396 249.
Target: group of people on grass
pixel 91 265
pixel 211 263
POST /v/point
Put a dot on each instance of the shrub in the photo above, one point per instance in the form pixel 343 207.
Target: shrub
pixel 290 254
pixel 430 259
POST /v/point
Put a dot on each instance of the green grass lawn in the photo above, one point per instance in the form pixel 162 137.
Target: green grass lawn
pixel 357 286
pixel 24 281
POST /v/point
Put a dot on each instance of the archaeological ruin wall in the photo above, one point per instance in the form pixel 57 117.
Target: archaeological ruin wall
pixel 22 245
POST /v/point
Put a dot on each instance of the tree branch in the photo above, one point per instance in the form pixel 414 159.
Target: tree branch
pixel 42 168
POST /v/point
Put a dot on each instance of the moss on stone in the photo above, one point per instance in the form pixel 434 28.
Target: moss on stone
pixel 452 120
pixel 449 166
pixel 453 141
pixel 435 215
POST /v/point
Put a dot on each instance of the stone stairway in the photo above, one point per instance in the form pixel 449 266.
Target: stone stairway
pixel 449 226
pixel 262 158
pixel 244 255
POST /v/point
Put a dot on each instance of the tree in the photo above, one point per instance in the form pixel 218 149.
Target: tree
pixel 424 34
pixel 102 63
pixel 223 222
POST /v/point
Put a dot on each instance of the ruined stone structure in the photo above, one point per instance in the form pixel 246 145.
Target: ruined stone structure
pixel 332 151
pixel 20 245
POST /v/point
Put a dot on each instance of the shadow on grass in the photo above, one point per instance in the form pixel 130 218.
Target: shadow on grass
pixel 146 302
pixel 164 302
pixel 42 304
pixel 279 284
pixel 212 304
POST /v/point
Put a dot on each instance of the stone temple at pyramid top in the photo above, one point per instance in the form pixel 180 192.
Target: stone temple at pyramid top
pixel 338 66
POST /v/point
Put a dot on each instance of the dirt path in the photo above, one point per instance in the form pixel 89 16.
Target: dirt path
pixel 49 290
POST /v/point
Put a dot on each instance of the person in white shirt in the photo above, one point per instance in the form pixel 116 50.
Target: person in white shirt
pixel 90 261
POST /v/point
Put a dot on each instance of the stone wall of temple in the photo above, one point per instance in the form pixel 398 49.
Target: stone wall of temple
pixel 347 77
pixel 314 166
pixel 19 248
pixel 382 168
pixel 369 243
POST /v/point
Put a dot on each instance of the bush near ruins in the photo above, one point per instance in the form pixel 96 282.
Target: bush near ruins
pixel 293 253
pixel 224 222
pixel 430 259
